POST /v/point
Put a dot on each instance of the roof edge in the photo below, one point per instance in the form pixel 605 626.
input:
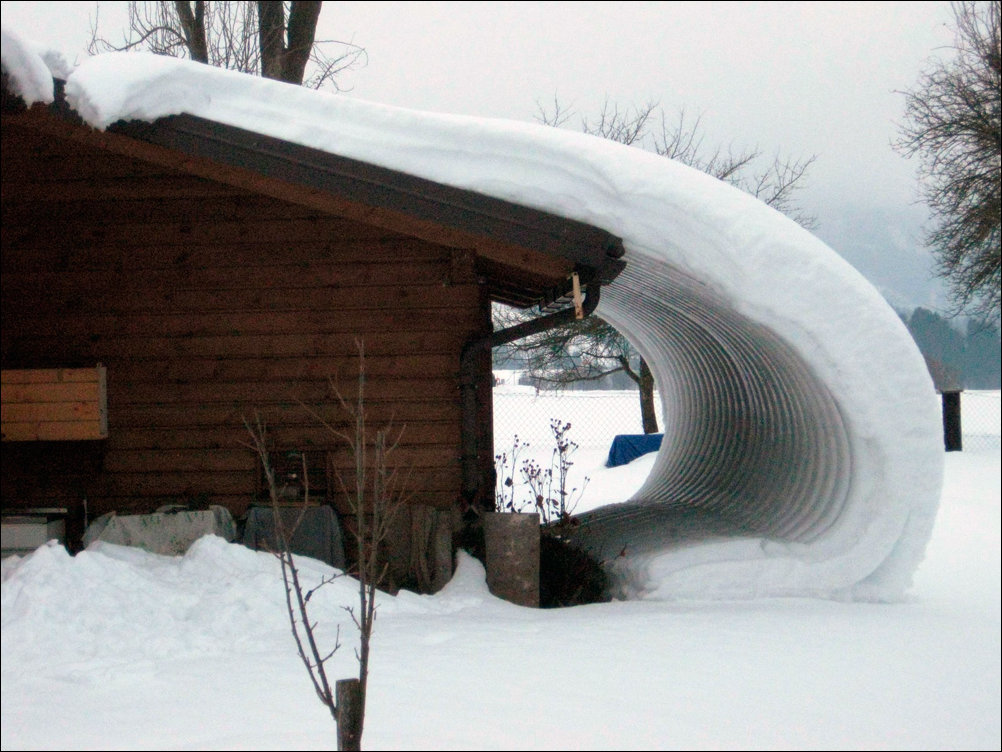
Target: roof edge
pixel 381 187
pixel 595 253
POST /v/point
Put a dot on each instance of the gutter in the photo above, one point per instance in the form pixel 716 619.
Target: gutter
pixel 468 376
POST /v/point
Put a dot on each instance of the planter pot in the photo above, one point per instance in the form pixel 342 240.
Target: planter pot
pixel 512 551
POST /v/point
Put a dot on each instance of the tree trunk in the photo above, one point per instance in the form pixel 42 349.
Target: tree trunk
pixel 648 412
pixel 271 38
pixel 193 25
pixel 303 17
pixel 278 61
pixel 350 714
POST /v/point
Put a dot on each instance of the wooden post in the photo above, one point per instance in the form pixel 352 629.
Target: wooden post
pixel 350 713
pixel 951 421
pixel 512 556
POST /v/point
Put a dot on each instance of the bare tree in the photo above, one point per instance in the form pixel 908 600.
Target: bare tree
pixel 297 597
pixel 953 125
pixel 680 137
pixel 375 492
pixel 590 349
pixel 585 350
pixel 273 39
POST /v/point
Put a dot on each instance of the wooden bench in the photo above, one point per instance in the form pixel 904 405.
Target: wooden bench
pixel 54 404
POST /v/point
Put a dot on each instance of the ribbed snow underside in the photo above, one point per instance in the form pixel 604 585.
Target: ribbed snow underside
pixel 754 444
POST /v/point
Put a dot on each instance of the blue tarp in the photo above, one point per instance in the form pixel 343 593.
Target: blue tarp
pixel 628 446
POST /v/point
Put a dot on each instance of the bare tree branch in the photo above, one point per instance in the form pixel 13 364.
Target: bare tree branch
pixel 303 629
pixel 375 494
pixel 953 126
pixel 274 39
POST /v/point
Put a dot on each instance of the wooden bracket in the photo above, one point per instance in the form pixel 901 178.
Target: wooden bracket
pixel 578 308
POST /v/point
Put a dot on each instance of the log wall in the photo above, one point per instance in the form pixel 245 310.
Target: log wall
pixel 207 304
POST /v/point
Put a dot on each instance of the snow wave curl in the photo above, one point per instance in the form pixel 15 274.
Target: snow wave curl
pixel 802 451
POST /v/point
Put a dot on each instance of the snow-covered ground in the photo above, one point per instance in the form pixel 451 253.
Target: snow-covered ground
pixel 120 649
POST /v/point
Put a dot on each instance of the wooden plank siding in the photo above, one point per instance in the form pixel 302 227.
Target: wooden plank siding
pixel 207 303
pixel 54 404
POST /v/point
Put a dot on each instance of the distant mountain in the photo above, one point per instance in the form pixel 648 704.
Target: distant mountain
pixel 960 354
pixel 885 246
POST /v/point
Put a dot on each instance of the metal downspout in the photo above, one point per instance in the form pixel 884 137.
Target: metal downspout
pixel 468 381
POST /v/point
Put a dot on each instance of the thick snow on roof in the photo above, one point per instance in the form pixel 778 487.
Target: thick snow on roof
pixel 802 450
pixel 23 61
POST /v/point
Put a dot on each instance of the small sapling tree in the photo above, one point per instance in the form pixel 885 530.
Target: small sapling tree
pixel 296 597
pixel 375 492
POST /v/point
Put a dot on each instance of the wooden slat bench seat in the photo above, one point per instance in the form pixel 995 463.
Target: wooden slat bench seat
pixel 54 404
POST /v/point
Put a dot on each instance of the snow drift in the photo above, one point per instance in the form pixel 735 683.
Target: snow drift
pixel 802 450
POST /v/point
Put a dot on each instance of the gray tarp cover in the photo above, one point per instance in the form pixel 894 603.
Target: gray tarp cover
pixel 166 532
pixel 317 536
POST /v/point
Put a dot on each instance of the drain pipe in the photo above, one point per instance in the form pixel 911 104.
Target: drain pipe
pixel 468 377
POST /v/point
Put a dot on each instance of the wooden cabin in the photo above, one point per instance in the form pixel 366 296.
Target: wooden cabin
pixel 202 274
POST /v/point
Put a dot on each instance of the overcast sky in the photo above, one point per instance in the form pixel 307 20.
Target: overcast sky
pixel 797 79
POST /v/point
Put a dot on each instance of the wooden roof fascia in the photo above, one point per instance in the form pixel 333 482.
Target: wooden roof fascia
pixel 467 213
pixel 114 140
pixel 510 235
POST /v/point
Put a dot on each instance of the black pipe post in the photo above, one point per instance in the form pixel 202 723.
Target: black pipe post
pixel 951 421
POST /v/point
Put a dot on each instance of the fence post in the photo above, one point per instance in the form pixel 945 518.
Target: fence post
pixel 951 421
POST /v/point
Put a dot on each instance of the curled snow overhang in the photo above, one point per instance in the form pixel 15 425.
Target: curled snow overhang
pixel 802 453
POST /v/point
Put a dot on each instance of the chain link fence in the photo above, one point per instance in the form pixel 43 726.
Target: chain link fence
pixel 981 420
pixel 596 417
pixel 523 432
pixel 523 419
